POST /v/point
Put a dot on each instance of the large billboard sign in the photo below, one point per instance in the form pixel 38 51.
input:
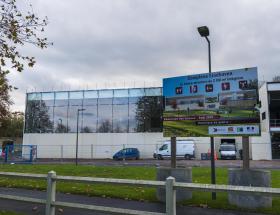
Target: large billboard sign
pixel 212 104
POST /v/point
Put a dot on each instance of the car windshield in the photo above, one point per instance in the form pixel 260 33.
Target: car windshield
pixel 163 147
pixel 227 148
pixel 122 151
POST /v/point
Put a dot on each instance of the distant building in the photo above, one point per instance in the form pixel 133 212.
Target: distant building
pixel 119 118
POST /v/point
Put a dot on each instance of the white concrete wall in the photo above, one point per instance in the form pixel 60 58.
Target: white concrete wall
pixel 202 145
pixel 261 147
pixel 102 145
pixel 93 145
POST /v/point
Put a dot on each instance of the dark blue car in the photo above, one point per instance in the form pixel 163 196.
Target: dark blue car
pixel 127 153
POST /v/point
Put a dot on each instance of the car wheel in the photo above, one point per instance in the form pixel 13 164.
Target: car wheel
pixel 159 157
pixel 187 157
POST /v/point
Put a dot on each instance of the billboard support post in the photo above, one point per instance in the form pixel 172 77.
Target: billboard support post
pixel 173 152
pixel 245 152
pixel 213 170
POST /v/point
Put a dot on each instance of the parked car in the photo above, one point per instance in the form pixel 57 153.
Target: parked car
pixel 228 151
pixel 127 153
pixel 184 149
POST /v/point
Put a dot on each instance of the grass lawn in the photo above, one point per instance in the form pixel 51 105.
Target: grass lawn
pixel 200 175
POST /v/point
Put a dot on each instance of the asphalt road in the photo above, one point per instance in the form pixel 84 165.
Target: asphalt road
pixel 35 209
pixel 274 164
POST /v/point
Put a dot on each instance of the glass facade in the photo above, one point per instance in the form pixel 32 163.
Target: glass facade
pixel 106 111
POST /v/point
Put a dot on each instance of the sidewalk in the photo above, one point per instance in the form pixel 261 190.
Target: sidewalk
pixel 35 209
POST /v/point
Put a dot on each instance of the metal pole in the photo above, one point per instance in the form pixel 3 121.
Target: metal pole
pixel 213 172
pixel 245 152
pixel 170 196
pixel 173 152
pixel 77 137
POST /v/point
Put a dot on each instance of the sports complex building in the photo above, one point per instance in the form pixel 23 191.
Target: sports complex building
pixel 111 119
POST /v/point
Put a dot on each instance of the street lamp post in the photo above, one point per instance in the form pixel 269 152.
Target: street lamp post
pixel 60 120
pixel 77 134
pixel 204 32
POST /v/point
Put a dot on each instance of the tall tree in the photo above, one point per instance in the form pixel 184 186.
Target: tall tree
pixel 12 125
pixel 17 28
pixel 5 99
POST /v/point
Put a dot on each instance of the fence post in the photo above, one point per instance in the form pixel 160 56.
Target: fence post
pixel 170 193
pixel 61 153
pixel 51 189
pixel 91 151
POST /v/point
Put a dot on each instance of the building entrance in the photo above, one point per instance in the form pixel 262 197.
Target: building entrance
pixel 275 145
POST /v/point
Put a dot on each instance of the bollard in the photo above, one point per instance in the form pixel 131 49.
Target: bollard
pixel 51 189
pixel 170 196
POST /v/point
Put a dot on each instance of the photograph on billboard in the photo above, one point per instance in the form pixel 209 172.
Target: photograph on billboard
pixel 212 104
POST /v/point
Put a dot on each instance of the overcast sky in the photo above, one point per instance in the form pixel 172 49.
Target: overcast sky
pixel 136 43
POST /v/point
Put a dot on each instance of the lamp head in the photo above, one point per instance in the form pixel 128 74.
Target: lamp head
pixel 203 31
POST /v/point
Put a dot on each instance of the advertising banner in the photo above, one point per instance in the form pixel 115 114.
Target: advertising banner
pixel 217 104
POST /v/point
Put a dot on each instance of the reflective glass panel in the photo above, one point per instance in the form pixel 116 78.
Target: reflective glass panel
pixel 104 101
pixel 104 118
pixel 136 92
pixel 153 114
pixel 32 119
pixel 48 99
pixel 76 95
pixel 153 91
pixel 34 96
pixel 61 98
pixel 72 118
pixel 46 117
pixel 120 101
pixel 91 94
pixel 136 116
pixel 60 119
pixel 120 118
pixel 90 102
pixel 121 93
pixel 106 94
pixel 89 119
pixel 47 96
pixel 76 98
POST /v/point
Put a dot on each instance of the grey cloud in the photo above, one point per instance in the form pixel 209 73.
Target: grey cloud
pixel 122 41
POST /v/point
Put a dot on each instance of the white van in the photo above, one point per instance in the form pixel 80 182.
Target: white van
pixel 184 149
pixel 228 151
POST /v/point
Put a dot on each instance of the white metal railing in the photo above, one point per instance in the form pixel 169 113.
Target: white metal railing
pixel 275 122
pixel 170 185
